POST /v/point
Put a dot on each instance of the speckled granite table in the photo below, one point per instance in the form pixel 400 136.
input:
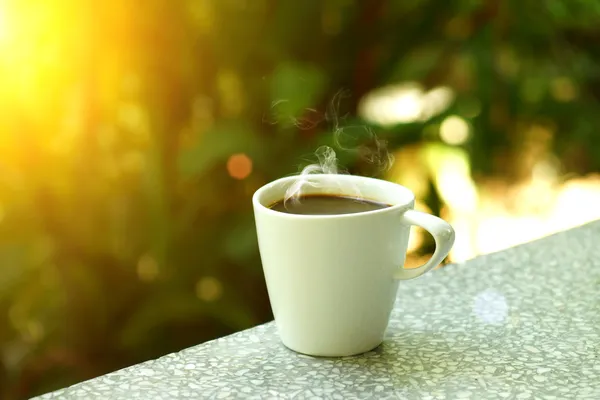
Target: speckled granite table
pixel 519 324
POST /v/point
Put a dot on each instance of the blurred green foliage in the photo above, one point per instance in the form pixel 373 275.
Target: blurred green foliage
pixel 122 235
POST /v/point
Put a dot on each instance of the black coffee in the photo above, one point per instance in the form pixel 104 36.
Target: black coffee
pixel 321 204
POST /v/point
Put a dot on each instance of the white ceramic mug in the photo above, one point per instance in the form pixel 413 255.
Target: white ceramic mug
pixel 332 279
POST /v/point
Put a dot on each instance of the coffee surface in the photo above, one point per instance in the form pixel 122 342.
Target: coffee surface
pixel 327 205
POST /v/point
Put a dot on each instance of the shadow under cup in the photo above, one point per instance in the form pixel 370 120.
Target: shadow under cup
pixel 330 278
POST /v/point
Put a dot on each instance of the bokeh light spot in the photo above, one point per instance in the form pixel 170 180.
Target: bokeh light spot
pixel 239 166
pixel 454 130
pixel 231 93
pixel 132 162
pixel 490 307
pixel 403 103
pixel 563 89
pixel 209 289
pixel 147 268
pixel 34 331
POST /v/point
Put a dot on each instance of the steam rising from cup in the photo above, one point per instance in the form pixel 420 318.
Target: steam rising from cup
pixel 359 140
pixel 327 164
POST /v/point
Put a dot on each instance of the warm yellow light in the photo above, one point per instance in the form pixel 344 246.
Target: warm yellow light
pixel 454 130
pixel 417 234
pixel 209 289
pixel 3 25
pixel 147 268
pixel 404 103
pixel 33 38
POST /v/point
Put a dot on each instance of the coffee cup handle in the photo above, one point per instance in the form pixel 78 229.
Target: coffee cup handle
pixel 442 233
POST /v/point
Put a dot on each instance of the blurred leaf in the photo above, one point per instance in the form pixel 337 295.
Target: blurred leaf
pixel 167 308
pixel 241 242
pixel 294 88
pixel 13 268
pixel 416 65
pixel 217 144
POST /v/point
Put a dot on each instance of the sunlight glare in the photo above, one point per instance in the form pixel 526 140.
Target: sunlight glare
pixel 3 25
pixel 404 103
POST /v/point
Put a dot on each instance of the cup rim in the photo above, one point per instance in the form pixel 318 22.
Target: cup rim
pixel 258 205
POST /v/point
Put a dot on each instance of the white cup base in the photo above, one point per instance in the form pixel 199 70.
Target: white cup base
pixel 347 353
